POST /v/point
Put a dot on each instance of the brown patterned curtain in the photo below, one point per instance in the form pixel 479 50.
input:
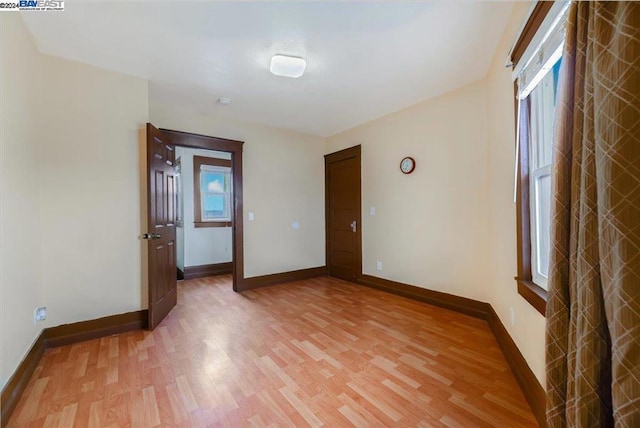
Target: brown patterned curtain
pixel 593 311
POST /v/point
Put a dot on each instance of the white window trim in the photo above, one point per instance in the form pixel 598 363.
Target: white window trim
pixel 548 37
pixel 536 172
pixel 538 278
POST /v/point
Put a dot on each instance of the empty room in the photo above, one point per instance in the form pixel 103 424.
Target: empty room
pixel 319 213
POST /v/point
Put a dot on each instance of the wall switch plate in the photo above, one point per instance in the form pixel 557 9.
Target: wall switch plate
pixel 512 316
pixel 250 216
pixel 378 265
pixel 39 314
pixel 372 210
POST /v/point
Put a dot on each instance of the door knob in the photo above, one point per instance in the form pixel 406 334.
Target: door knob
pixel 151 236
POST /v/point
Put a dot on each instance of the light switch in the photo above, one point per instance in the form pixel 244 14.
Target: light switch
pixel 250 216
pixel 372 210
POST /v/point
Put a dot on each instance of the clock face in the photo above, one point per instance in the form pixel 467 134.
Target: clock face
pixel 407 165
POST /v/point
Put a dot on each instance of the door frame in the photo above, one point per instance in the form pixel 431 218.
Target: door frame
pixel 197 141
pixel 351 152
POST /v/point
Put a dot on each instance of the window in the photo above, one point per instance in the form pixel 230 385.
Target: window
pixel 536 72
pixel 543 106
pixel 212 192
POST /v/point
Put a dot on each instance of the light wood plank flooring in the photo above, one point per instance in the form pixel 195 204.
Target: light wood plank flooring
pixel 315 352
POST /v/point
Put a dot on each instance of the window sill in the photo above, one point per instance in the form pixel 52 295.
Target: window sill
pixel 212 224
pixel 534 294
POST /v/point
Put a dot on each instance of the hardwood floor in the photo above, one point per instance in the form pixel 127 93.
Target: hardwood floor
pixel 315 352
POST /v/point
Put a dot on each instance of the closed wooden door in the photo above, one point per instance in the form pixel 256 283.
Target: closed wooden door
pixel 161 236
pixel 343 214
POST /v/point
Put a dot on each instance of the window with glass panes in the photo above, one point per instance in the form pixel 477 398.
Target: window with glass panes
pixel 212 196
pixel 537 59
pixel 543 107
pixel 215 193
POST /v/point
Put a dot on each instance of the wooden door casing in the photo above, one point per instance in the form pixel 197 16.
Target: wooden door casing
pixel 197 141
pixel 162 207
pixel 343 208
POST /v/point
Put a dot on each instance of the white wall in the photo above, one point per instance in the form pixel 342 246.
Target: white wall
pixel 201 245
pixel 20 178
pixel 430 227
pixel 529 328
pixel 283 182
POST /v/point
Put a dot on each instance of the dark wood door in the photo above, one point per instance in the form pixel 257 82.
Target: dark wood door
pixel 161 236
pixel 343 214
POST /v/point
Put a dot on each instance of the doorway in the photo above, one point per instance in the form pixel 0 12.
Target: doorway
pixel 205 213
pixel 343 217
pixel 163 216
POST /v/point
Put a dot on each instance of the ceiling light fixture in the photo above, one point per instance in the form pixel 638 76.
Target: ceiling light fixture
pixel 287 66
pixel 224 101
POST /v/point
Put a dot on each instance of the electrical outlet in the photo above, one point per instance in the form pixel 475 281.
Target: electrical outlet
pixel 512 315
pixel 39 314
pixel 378 265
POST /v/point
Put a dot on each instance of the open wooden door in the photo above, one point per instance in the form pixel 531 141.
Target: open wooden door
pixel 161 236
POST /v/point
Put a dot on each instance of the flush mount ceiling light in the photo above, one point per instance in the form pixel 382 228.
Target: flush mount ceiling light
pixel 224 101
pixel 287 66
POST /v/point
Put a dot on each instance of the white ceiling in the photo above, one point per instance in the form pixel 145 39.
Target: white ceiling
pixel 364 60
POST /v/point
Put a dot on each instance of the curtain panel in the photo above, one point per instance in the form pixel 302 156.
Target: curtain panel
pixel 593 308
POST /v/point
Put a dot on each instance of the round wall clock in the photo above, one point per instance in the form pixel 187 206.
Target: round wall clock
pixel 407 165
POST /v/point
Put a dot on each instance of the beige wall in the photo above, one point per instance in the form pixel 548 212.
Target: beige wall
pixel 450 226
pixel 430 227
pixel 90 192
pixel 70 191
pixel 283 173
pixel 20 178
pixel 528 331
